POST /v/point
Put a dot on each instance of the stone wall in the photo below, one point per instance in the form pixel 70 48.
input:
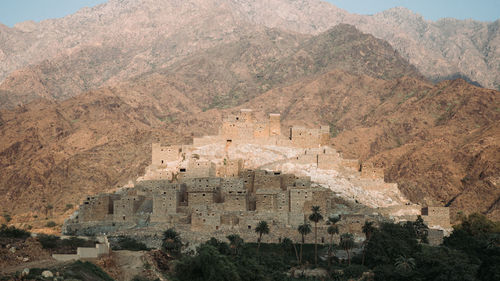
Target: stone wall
pixel 97 208
pixel 160 155
pixel 229 168
pixel 199 169
pixel 126 207
pixel 436 216
pixel 267 180
pixel 164 203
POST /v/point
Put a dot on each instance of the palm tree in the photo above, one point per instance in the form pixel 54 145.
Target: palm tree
pixel 288 244
pixel 368 230
pixel 262 228
pixel 303 229
pixel 315 217
pixel 171 242
pixel 235 242
pixel 405 264
pixel 347 243
pixel 332 229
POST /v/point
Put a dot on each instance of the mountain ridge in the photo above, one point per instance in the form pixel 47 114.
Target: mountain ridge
pixel 441 49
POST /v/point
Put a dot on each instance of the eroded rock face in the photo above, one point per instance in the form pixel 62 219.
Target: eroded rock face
pixel 121 39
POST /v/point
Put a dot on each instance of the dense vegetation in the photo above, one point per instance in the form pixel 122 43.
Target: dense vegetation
pixel 390 251
pixel 127 243
pixel 13 232
pixel 63 246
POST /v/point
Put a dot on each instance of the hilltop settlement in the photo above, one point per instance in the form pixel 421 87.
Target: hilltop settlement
pixel 252 170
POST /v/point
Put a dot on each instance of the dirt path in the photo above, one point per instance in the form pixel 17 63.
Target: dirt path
pixel 34 264
pixel 131 263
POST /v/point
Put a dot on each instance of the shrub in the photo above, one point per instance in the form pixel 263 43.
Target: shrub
pixel 48 241
pixel 50 224
pixel 354 271
pixel 13 232
pixel 7 217
pixel 128 243
pixel 79 269
pixel 68 206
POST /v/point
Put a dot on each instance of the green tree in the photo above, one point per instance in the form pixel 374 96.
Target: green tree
pixel 347 243
pixel 288 244
pixel 389 242
pixel 48 209
pixel 304 229
pixel 207 265
pixel 262 228
pixel 405 264
pixel 315 217
pixel 332 230
pixel 235 243
pixel 368 230
pixel 421 229
pixel 171 242
pixel 442 263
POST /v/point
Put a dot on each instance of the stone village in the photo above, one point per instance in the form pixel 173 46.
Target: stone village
pixel 250 171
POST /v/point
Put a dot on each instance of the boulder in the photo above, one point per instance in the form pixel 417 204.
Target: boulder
pixel 25 272
pixel 47 274
pixel 12 250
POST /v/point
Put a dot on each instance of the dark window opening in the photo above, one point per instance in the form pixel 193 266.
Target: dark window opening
pixel 182 170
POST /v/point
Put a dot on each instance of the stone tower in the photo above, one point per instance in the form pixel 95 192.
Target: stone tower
pixel 274 125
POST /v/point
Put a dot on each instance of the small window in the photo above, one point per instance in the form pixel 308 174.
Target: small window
pixel 249 227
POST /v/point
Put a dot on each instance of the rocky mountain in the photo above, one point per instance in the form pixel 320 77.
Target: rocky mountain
pixel 120 39
pixel 55 153
pixel 88 93
pixel 439 142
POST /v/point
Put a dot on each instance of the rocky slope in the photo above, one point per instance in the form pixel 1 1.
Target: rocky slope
pixel 142 35
pixel 97 105
pixel 225 75
pixel 439 142
pixel 56 153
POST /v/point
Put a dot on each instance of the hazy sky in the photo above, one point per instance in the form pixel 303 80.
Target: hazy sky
pixel 14 11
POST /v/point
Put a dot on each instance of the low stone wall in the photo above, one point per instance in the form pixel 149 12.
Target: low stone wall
pixel 101 249
pixel 65 257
